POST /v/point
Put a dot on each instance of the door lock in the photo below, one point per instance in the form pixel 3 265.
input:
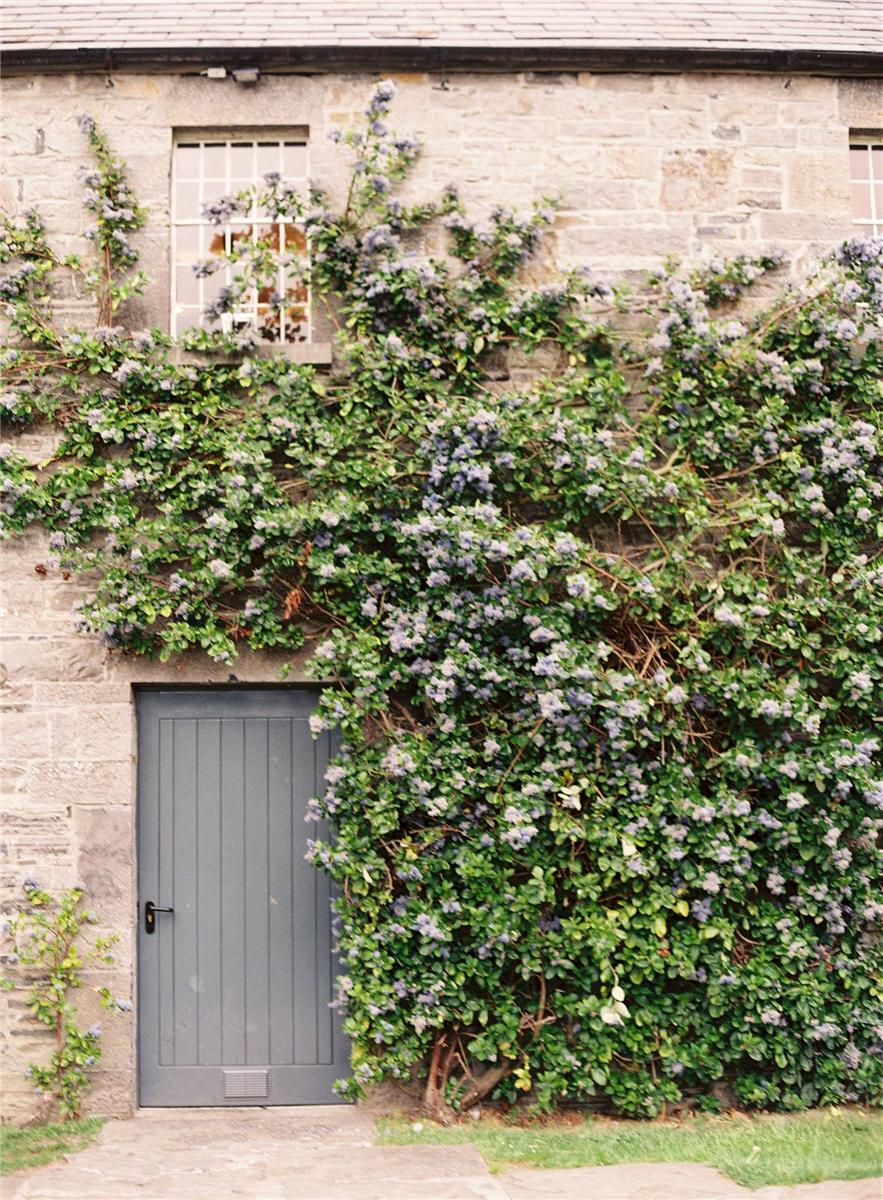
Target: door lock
pixel 150 911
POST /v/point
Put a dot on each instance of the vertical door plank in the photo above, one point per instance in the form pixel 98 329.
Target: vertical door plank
pixel 281 930
pixel 208 891
pixel 304 894
pixel 165 892
pixel 183 922
pixel 233 892
pixel 324 981
pixel 257 957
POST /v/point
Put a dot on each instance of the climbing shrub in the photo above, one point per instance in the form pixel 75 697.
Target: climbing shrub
pixel 49 953
pixel 604 647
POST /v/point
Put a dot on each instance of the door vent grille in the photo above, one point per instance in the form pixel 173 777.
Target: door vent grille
pixel 241 1085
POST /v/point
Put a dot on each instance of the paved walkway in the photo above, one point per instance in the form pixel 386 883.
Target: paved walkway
pixel 328 1154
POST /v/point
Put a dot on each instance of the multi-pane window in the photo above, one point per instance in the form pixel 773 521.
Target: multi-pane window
pixel 866 172
pixel 203 170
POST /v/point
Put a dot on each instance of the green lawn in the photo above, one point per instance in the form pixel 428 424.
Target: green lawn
pixel 40 1144
pixel 756 1151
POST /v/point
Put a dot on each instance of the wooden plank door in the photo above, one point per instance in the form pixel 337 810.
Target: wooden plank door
pixel 234 982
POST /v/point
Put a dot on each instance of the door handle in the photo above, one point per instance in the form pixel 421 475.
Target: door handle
pixel 150 911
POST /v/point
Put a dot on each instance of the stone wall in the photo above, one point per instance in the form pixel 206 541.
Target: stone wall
pixel 647 165
pixel 68 795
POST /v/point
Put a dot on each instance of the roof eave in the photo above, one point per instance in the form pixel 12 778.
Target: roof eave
pixel 431 57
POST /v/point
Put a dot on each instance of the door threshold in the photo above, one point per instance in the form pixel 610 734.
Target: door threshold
pixel 286 1110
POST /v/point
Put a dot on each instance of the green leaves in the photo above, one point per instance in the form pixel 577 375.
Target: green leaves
pixel 49 954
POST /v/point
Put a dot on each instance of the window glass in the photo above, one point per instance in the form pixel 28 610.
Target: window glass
pixel 203 170
pixel 866 173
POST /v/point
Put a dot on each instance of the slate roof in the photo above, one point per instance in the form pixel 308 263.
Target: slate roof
pixel 839 26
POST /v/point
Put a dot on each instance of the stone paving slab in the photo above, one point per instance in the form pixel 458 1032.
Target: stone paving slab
pixel 669 1181
pixel 260 1154
pixel 328 1154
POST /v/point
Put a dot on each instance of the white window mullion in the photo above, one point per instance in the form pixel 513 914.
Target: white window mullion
pixel 201 186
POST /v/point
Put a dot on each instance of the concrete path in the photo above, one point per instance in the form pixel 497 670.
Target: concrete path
pixel 328 1154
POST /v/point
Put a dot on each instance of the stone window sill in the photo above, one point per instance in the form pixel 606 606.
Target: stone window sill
pixel 317 354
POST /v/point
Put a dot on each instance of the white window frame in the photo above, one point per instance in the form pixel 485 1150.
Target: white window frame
pixel 871 180
pixel 212 189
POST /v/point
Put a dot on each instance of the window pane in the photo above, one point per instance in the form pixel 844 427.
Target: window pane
pixel 294 160
pixel 878 201
pixel 212 284
pixel 211 191
pixel 268 321
pixel 187 161
pixel 296 313
pixel 186 286
pixel 295 325
pixel 240 234
pixel 214 160
pixel 187 204
pixel 185 318
pixel 242 161
pixel 859 162
pixel 187 243
pixel 268 158
pixel 861 201
pixel 239 185
pixel 877 161
pixel 295 239
pixel 268 234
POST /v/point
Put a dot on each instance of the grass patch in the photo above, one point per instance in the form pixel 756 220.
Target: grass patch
pixel 756 1151
pixel 37 1145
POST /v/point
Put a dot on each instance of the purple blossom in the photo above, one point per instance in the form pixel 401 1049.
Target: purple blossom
pixel 427 928
pixel 522 571
pixel 221 210
pixel 772 1016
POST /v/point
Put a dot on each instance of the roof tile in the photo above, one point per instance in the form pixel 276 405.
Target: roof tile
pixel 824 25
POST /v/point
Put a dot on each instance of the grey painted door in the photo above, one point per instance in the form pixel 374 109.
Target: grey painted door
pixel 235 983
